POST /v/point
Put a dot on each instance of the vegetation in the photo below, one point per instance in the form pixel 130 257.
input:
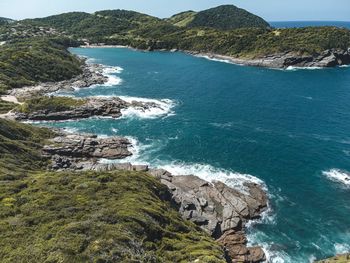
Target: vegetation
pixel 337 259
pixel 52 103
pixel 182 19
pixel 225 30
pixel 6 106
pixel 20 147
pixel 27 62
pixel 5 21
pixel 227 17
pixel 87 217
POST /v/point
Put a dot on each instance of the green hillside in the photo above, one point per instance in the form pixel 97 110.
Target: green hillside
pixel 182 19
pixel 4 20
pixel 97 25
pixel 87 217
pixel 227 17
pixel 51 59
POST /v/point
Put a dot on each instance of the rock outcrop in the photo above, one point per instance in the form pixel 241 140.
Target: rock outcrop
pixel 93 107
pixel 92 74
pixel 218 209
pixel 102 107
pixel 328 58
pixel 78 152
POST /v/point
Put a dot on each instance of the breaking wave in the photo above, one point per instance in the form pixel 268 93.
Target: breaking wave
pixel 110 72
pixel 157 108
pixel 337 175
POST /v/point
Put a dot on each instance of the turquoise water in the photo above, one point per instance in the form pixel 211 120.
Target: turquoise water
pixel 289 24
pixel 226 122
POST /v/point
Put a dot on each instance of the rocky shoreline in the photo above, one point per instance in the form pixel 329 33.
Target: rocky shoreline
pixel 327 58
pixel 92 74
pixel 111 107
pixel 221 211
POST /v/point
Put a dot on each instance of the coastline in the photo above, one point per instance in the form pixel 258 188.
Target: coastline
pixel 326 59
pixel 233 227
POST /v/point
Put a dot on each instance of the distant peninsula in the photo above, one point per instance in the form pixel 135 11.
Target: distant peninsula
pixel 225 32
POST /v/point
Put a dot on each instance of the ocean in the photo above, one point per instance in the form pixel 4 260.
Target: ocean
pixel 288 130
pixel 291 24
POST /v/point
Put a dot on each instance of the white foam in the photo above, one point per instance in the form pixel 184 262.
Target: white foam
pixel 110 72
pixel 160 108
pixel 338 175
pixel 112 81
pixel 273 255
pixel 341 248
pixel 218 59
pixel 211 173
pixel 292 68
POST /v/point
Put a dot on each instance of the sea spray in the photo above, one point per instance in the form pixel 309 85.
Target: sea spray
pixel 338 175
pixel 158 108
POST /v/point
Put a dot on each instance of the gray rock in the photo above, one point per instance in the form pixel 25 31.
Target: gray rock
pixel 81 152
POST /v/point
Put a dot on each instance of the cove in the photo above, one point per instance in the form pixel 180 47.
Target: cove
pixel 286 129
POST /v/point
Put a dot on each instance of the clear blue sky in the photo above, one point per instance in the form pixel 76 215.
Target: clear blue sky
pixel 271 10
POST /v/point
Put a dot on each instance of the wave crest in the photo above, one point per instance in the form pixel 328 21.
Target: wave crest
pixel 337 175
pixel 159 108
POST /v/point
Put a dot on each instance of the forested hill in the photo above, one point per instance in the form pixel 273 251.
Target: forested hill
pixel 115 21
pixel 225 30
pixel 223 17
pixel 99 24
pixel 4 20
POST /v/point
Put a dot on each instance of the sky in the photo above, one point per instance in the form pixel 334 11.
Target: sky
pixel 270 10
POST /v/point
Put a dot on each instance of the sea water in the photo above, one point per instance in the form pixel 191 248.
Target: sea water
pixel 288 130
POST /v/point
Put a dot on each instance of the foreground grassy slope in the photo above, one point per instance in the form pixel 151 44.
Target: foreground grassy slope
pixel 20 149
pixel 337 259
pixel 27 62
pixel 86 217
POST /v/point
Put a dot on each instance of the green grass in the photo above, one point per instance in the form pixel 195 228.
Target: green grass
pixel 337 259
pixel 52 103
pixel 6 106
pixel 182 19
pixel 20 149
pixel 87 217
pixel 27 62
pixel 96 217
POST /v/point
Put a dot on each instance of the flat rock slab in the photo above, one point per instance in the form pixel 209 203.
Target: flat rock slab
pixel 72 151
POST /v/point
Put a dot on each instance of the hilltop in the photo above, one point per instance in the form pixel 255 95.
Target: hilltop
pixel 4 20
pixel 226 31
pixel 223 17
